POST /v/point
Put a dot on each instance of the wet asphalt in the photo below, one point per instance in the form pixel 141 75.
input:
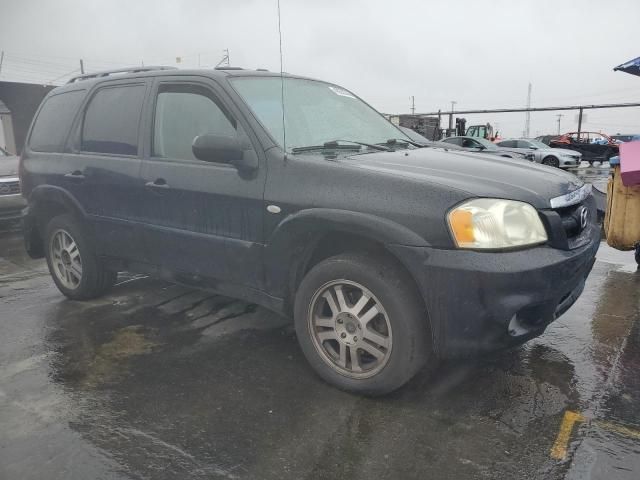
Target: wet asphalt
pixel 157 381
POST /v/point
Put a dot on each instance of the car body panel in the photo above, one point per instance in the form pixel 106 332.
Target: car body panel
pixel 11 200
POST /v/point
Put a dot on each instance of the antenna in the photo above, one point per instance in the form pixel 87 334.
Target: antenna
pixel 284 129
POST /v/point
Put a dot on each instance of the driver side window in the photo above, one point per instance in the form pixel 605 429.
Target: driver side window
pixel 182 113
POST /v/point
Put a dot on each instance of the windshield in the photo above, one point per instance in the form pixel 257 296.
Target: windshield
pixel 315 112
pixel 538 144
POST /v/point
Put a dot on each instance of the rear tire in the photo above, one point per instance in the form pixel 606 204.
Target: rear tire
pixel 372 298
pixel 72 261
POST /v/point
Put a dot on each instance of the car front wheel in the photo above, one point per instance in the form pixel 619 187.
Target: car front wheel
pixel 361 324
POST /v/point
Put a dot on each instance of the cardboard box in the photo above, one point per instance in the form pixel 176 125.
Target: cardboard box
pixel 630 163
pixel 622 219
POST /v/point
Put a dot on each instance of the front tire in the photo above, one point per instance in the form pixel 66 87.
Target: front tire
pixel 361 324
pixel 551 161
pixel 72 261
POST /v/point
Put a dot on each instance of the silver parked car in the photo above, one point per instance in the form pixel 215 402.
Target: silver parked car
pixel 482 145
pixel 11 201
pixel 542 153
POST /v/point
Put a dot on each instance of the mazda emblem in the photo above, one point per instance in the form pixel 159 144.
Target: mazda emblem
pixel 584 218
pixel 4 189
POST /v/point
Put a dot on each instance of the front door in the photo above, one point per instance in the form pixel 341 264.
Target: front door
pixel 201 218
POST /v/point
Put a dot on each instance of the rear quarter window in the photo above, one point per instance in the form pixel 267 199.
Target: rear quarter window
pixel 54 120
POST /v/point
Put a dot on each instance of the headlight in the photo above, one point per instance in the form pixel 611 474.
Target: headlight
pixel 489 223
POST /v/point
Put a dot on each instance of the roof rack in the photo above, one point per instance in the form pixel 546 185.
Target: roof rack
pixel 106 73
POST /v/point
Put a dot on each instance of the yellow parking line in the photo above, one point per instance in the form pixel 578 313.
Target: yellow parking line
pixel 617 428
pixel 559 449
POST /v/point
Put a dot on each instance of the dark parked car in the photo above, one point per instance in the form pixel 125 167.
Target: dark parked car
pixel 11 201
pixel 482 145
pixel 594 146
pixel 388 256
pixel 626 138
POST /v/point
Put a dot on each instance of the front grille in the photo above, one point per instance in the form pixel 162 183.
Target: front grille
pixel 10 187
pixel 564 225
pixel 570 218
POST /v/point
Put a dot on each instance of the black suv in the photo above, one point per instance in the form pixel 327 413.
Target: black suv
pixel 295 194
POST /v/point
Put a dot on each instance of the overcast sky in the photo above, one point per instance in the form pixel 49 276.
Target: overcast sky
pixel 482 54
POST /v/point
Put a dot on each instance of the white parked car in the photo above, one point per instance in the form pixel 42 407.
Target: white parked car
pixel 542 153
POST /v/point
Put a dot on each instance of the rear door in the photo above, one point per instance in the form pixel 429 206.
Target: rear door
pixel 201 218
pixel 106 155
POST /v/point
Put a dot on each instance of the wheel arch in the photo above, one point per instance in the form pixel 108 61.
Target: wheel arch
pixel 308 237
pixel 44 203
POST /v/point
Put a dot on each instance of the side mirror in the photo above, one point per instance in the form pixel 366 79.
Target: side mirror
pixel 224 149
pixel 480 147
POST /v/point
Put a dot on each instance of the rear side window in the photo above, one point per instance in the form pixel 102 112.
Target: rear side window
pixel 54 120
pixel 112 119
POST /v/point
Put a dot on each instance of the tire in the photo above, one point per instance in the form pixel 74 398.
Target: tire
pixel 551 161
pixel 637 254
pixel 398 335
pixel 78 273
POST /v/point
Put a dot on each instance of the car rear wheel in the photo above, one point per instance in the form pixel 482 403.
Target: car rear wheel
pixel 551 161
pixel 72 261
pixel 361 324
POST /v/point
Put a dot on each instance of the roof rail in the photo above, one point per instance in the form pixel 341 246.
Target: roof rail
pixel 106 73
pixel 224 67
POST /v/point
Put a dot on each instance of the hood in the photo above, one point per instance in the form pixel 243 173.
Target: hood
pixel 477 175
pixel 9 166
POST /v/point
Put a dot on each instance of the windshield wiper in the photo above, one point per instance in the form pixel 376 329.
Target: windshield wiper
pixel 393 141
pixel 334 145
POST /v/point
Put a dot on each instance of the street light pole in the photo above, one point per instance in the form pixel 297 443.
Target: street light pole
pixel 559 118
pixel 453 104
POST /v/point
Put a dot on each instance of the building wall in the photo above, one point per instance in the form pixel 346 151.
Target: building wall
pixel 22 99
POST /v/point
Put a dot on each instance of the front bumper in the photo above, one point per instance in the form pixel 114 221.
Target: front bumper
pixel 568 162
pixel 11 206
pixel 481 301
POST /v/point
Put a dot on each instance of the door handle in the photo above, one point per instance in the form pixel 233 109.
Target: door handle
pixel 75 175
pixel 157 183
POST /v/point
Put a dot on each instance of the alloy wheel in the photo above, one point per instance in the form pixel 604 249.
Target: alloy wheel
pixel 66 261
pixel 350 329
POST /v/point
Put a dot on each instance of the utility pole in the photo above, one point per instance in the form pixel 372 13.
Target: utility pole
pixel 453 104
pixel 527 121
pixel 81 67
pixel 225 59
pixel 413 105
pixel 559 115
